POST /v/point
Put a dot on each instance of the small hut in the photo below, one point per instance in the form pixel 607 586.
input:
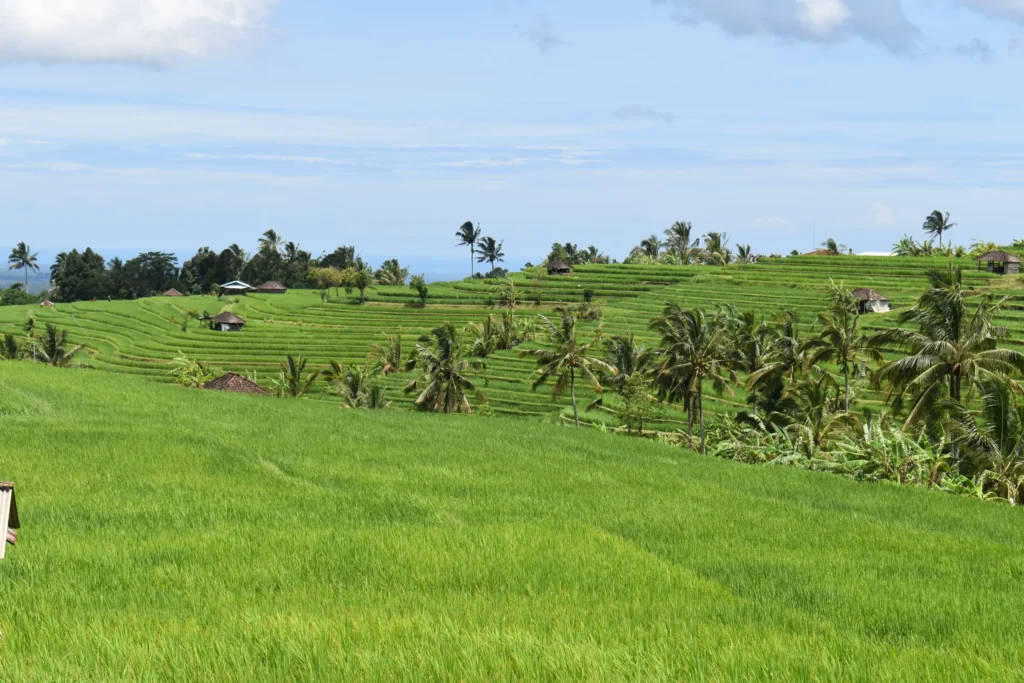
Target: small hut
pixel 172 292
pixel 8 517
pixel 47 304
pixel 1002 262
pixel 235 384
pixel 559 268
pixel 272 288
pixel 227 322
pixel 236 287
pixel 870 301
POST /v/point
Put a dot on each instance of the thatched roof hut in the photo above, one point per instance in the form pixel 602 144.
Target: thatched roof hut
pixel 172 292
pixel 236 384
pixel 559 268
pixel 236 287
pixel 227 322
pixel 272 287
pixel 999 262
pixel 47 304
pixel 870 301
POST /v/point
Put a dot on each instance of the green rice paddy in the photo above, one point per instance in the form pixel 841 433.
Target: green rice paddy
pixel 173 534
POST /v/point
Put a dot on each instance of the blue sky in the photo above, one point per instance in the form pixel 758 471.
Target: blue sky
pixel 172 124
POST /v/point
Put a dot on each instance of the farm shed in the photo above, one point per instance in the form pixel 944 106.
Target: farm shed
pixel 559 268
pixel 172 292
pixel 236 287
pixel 272 288
pixel 47 304
pixel 235 384
pixel 227 322
pixel 8 516
pixel 1002 262
pixel 870 301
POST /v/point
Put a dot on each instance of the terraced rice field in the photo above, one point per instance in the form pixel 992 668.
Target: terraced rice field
pixel 142 337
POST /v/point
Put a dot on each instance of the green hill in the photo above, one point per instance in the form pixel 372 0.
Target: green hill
pixel 174 534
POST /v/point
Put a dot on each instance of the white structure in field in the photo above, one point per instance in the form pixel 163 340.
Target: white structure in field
pixel 8 517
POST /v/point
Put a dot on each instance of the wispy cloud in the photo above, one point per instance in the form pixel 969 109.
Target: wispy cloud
pixel 1012 10
pixel 540 32
pixel 637 111
pixel 975 49
pixel 151 32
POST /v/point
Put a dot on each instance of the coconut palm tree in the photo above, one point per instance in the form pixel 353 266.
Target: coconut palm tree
pixel 744 252
pixel 443 386
pixel 678 241
pixel 22 258
pixel 953 350
pixel 626 357
pixel 817 421
pixel 270 242
pixel 567 358
pixel 9 348
pixel 937 223
pixel 386 358
pixel 694 349
pixel 484 341
pixel 993 442
pixel 783 362
pixel 291 382
pixel 491 252
pixel 468 236
pixel 53 349
pixel 651 247
pixel 839 340
pixel 716 249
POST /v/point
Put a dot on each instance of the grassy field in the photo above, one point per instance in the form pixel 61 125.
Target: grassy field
pixel 174 534
pixel 142 337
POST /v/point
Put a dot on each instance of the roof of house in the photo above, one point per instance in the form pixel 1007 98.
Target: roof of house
pixel 236 284
pixel 272 285
pixel 558 265
pixel 229 318
pixel 46 303
pixel 998 257
pixel 173 292
pixel 864 294
pixel 236 384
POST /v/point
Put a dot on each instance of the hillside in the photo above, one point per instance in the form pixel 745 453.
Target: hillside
pixel 143 337
pixel 188 535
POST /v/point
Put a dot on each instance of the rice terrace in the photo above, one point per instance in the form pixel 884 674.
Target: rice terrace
pixel 678 340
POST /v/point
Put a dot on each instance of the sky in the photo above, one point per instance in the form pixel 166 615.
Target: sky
pixel 131 125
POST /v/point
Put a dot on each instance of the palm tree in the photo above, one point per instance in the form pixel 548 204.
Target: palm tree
pixel 566 358
pixel 291 382
pixel 444 385
pixel 9 349
pixel 484 341
pixel 782 363
pixel 53 349
pixel 651 247
pixel 677 240
pixel 995 443
pixel 694 349
pixel 351 383
pixel 386 358
pixel 468 236
pixel 952 350
pixel 716 248
pixel 626 357
pixel 22 258
pixel 816 421
pixel 937 224
pixel 744 252
pixel 490 251
pixel 839 341
pixel 270 242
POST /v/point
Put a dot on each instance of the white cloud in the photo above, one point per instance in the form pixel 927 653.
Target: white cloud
pixel 822 17
pixel 823 21
pixel 150 32
pixel 999 9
